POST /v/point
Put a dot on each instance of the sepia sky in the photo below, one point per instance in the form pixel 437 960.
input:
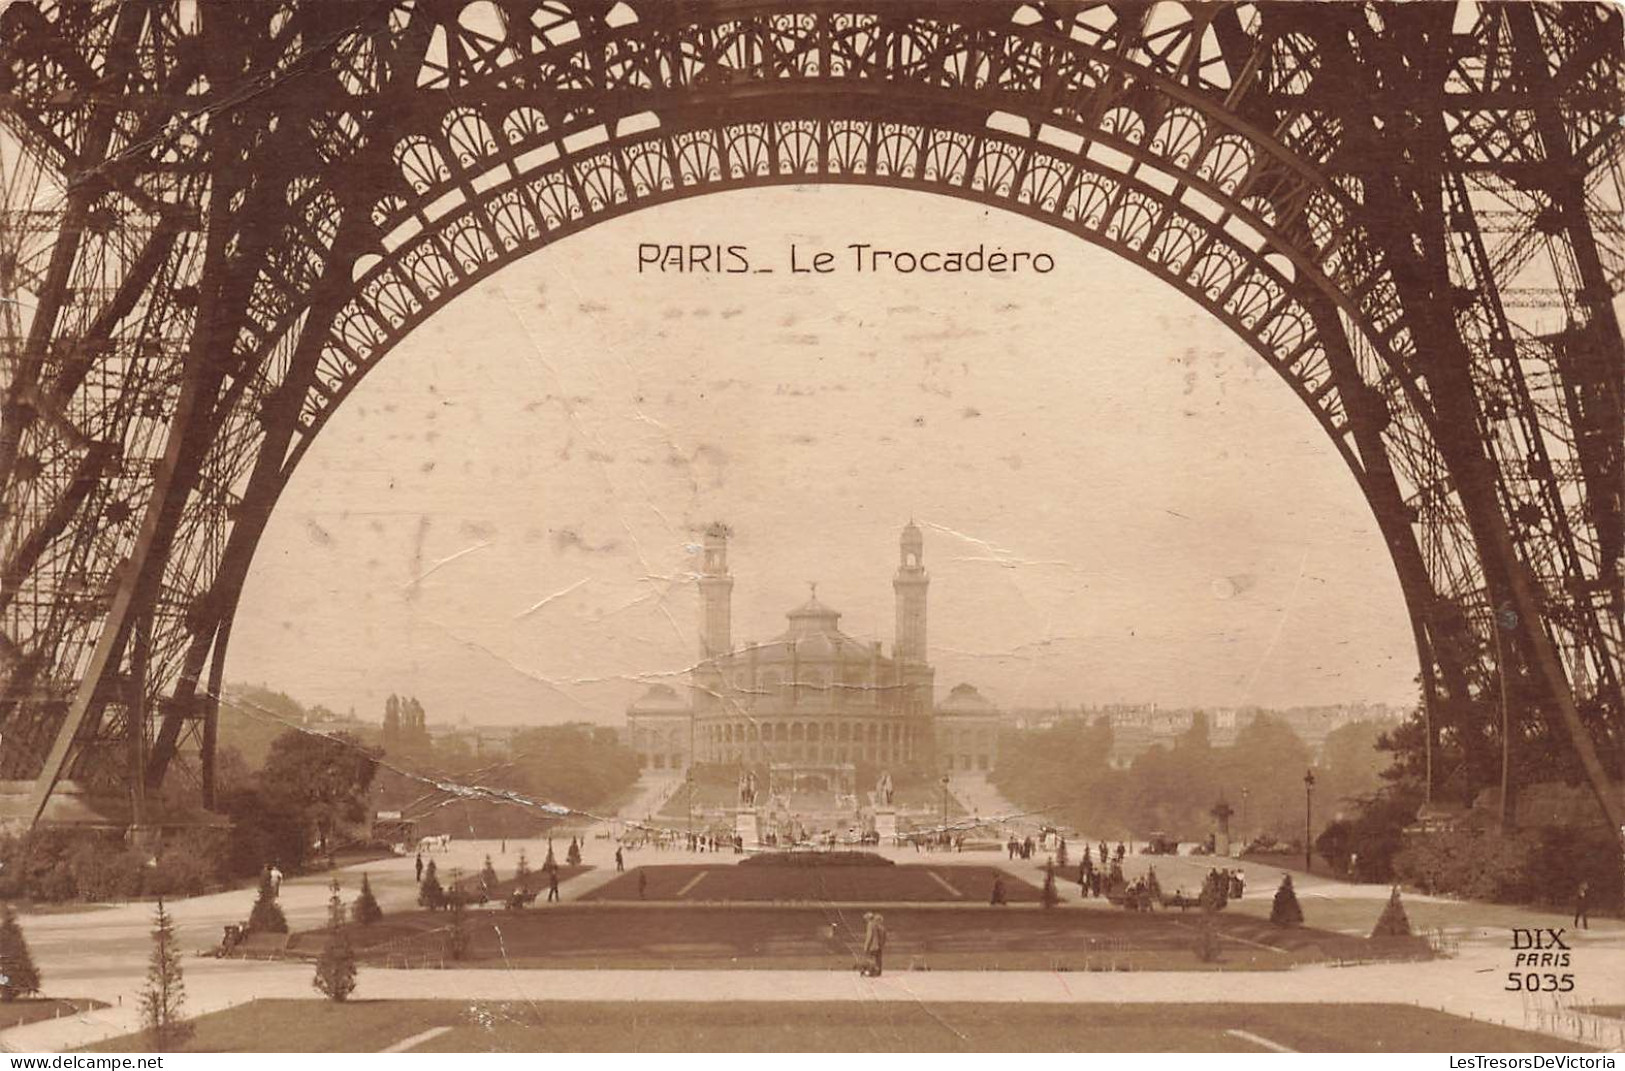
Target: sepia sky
pixel 1120 501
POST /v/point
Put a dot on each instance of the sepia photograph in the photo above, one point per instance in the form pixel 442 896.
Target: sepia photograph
pixel 863 526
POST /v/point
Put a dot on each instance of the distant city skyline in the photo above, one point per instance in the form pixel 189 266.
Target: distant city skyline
pixel 1120 501
pixel 1074 709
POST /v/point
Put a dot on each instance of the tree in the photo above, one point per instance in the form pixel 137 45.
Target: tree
pixel 252 717
pixel 430 894
pixel 392 724
pixel 365 910
pixel 1049 897
pixel 1350 763
pixel 1333 846
pixel 576 765
pixel 323 779
pixel 550 865
pixel 162 1000
pixel 1406 746
pixel 488 876
pixel 265 826
pixel 1060 853
pixel 1285 910
pixel 1270 758
pixel 335 970
pixel 1376 835
pixel 1208 948
pixel 266 915
pixel 573 855
pixel 456 893
pixel 457 934
pixel 1215 892
pixel 1065 767
pixel 453 754
pixel 1393 922
pixel 18 975
pixel 413 737
pixel 521 871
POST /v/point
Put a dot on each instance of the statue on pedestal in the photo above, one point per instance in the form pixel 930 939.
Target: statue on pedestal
pixel 747 789
pixel 883 788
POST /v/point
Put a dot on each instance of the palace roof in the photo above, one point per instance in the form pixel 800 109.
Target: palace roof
pixel 814 635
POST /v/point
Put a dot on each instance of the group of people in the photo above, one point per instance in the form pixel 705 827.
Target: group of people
pixel 1225 884
pixel 523 895
pixel 1020 849
pixel 711 842
pixel 675 840
pixel 1145 893
pixel 1219 887
pixel 1095 882
pixel 938 842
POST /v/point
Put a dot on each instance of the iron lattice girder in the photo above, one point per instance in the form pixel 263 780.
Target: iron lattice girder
pixel 1560 571
pixel 314 104
pixel 654 105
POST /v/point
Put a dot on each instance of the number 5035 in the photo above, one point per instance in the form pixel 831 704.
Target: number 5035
pixel 1519 982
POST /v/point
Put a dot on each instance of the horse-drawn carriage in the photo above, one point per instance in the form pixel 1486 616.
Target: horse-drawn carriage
pixel 1161 843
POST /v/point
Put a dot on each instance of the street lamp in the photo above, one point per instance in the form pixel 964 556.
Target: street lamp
pixel 1308 820
pixel 1222 812
pixel 1244 836
pixel 944 837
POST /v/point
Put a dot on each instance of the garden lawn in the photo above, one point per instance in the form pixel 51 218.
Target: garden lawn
pixel 24 1011
pixel 829 936
pixel 856 1026
pixel 504 887
pixel 697 883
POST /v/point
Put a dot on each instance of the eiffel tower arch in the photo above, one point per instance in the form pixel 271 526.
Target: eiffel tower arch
pixel 219 216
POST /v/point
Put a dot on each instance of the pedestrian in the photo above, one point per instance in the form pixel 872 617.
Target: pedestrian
pixel 552 885
pixel 998 896
pixel 874 943
pixel 1582 906
pixel 620 861
pixel 420 868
